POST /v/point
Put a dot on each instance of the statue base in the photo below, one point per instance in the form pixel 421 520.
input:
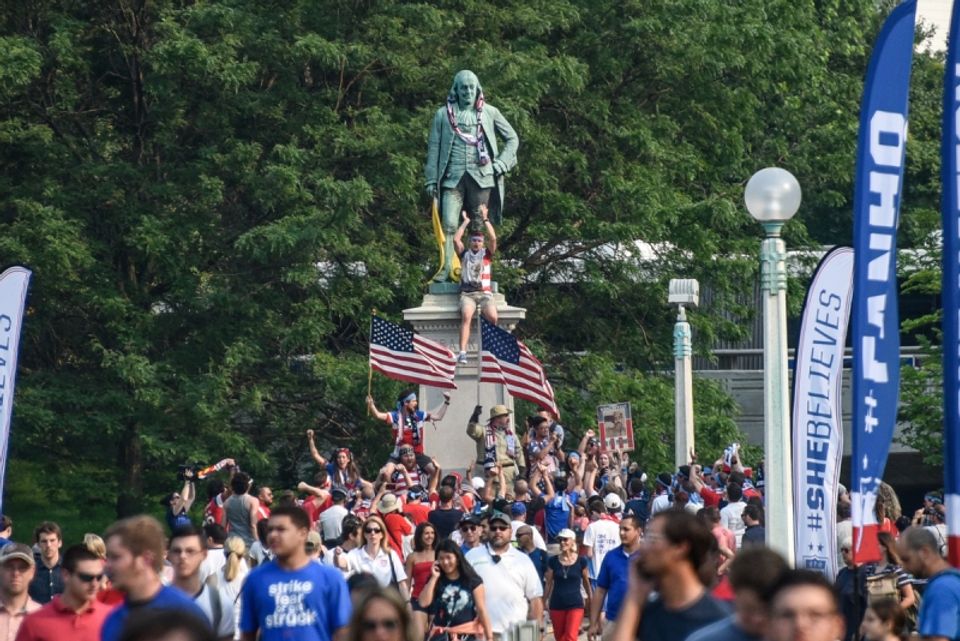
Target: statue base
pixel 438 318
pixel 454 288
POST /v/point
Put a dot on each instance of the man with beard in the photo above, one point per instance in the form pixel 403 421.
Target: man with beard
pixel 513 588
pixel 675 549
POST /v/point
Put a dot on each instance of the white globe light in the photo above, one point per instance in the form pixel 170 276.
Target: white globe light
pixel 772 195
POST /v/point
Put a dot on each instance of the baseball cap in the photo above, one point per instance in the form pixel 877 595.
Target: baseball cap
pixel 478 483
pixel 497 515
pixel 612 502
pixel 518 508
pixel 469 518
pixel 416 492
pixel 20 551
pixel 338 494
pixel 313 541
pixel 566 533
pixel 664 479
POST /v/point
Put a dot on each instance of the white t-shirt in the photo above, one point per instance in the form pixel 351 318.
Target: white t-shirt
pixel 231 590
pixel 602 536
pixel 227 625
pixel 379 566
pixel 331 522
pixel 731 517
pixel 660 503
pixel 215 560
pixel 508 585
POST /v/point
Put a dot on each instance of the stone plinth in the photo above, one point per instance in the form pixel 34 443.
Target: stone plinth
pixel 438 318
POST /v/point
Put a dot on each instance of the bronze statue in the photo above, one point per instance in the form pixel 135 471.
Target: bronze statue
pixel 465 164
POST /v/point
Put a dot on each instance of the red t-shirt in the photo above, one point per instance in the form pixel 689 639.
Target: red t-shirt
pixel 397 528
pixel 710 496
pixel 314 508
pixel 213 512
pixel 417 512
pixel 55 621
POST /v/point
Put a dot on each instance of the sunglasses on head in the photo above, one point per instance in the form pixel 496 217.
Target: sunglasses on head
pixel 390 625
pixel 87 578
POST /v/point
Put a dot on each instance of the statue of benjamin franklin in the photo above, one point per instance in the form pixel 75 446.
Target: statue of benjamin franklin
pixel 465 164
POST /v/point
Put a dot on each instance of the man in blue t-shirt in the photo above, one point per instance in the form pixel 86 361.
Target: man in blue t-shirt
pixel 135 553
pixel 558 503
pixel 940 611
pixel 612 580
pixel 292 597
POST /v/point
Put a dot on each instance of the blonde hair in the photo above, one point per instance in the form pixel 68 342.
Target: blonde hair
pixel 384 538
pixel 95 545
pixel 235 549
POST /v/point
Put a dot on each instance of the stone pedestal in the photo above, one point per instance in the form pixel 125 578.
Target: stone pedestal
pixel 438 318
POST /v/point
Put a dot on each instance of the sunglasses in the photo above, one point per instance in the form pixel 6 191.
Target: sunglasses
pixel 469 527
pixel 390 625
pixel 372 530
pixel 499 528
pixel 87 578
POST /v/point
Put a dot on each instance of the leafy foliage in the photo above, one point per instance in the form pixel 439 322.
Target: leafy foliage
pixel 213 195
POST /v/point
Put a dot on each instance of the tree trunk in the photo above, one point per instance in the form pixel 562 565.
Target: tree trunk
pixel 130 496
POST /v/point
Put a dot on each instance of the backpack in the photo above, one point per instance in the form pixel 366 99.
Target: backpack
pixel 216 607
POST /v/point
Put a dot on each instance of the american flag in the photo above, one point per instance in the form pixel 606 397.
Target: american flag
pixel 406 356
pixel 510 363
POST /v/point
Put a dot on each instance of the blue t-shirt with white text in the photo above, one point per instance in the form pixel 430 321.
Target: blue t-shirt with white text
pixel 166 599
pixel 308 604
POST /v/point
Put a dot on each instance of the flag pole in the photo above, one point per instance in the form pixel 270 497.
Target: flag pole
pixel 479 351
pixel 373 312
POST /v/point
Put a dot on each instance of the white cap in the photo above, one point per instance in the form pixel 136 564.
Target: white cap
pixel 566 533
pixel 612 502
pixel 477 482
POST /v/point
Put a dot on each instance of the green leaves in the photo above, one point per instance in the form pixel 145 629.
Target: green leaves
pixel 214 195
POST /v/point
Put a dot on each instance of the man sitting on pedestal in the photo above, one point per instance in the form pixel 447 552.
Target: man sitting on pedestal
pixel 475 278
pixel 407 424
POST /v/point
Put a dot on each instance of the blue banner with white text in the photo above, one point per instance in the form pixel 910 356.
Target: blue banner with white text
pixel 951 288
pixel 878 187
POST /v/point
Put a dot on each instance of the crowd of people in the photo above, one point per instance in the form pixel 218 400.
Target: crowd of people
pixel 562 542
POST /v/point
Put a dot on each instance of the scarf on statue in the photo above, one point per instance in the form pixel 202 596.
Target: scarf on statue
pixel 478 141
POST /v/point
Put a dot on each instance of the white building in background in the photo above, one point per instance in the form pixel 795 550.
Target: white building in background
pixel 936 13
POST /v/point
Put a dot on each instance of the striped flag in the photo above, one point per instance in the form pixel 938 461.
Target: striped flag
pixel 510 363
pixel 404 355
pixel 951 289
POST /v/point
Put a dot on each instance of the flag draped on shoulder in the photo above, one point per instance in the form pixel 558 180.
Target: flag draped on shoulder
pixel 950 289
pixel 507 361
pixel 881 148
pixel 404 355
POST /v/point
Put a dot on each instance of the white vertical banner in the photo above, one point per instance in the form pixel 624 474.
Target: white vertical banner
pixel 13 297
pixel 817 419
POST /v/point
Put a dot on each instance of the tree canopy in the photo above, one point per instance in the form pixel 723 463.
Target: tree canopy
pixel 214 194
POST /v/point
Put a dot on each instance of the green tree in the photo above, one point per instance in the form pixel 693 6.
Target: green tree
pixel 214 195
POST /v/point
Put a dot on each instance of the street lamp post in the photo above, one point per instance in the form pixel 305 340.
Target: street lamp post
pixel 772 197
pixel 683 292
